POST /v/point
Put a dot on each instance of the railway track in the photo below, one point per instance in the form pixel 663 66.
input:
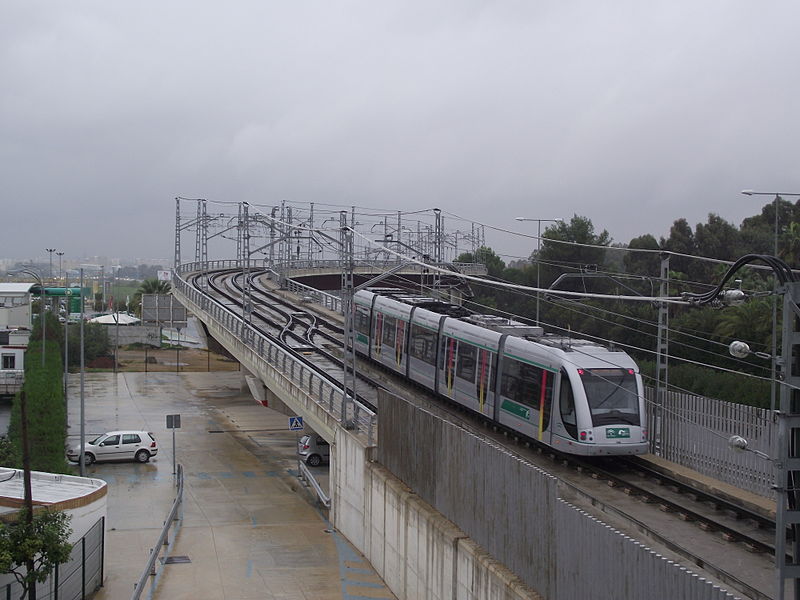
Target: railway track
pixel 295 331
pixel 715 516
pixel 624 477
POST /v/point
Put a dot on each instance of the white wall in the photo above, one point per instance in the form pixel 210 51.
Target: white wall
pixel 417 552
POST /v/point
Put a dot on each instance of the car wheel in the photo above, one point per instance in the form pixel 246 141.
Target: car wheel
pixel 314 460
pixel 142 456
pixel 88 458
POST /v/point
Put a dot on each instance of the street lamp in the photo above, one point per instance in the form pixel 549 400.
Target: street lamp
pixel 60 272
pixel 538 250
pixel 50 252
pixel 38 278
pixel 778 197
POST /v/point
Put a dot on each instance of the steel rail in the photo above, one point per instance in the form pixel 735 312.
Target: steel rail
pixel 295 351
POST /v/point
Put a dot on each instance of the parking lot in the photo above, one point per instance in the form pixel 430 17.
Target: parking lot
pixel 250 529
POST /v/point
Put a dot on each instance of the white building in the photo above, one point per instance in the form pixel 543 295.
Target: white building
pixel 15 331
pixel 85 500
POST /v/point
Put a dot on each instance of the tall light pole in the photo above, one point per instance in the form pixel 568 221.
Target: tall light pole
pixel 538 250
pixel 60 271
pixel 38 278
pixel 778 197
pixel 50 252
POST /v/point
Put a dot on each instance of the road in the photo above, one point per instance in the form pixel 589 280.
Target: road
pixel 250 530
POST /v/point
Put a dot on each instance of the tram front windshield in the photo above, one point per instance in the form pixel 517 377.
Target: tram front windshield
pixel 612 396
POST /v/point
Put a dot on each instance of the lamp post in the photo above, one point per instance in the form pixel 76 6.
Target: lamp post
pixel 38 278
pixel 60 271
pixel 778 197
pixel 538 250
pixel 50 252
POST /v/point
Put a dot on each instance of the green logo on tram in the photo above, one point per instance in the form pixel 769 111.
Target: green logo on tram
pixel 516 409
pixel 617 432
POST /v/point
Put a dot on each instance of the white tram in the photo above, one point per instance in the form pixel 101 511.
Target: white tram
pixel 572 394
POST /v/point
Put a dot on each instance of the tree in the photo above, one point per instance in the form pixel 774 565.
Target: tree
pixel 680 241
pixel 789 244
pixel 715 239
pixel 758 232
pixel 718 239
pixel 31 548
pixel 579 230
pixel 571 246
pixel 95 342
pixel 643 263
pixel 750 322
pixel 485 255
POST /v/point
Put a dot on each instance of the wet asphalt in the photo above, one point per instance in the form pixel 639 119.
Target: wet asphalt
pixel 250 529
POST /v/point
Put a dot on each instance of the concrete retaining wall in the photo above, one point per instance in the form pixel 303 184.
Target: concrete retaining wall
pixel 417 552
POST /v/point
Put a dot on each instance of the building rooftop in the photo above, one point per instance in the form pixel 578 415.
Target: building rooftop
pixel 16 288
pixel 49 489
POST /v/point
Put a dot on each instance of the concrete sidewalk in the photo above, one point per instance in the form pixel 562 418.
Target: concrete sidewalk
pixel 250 529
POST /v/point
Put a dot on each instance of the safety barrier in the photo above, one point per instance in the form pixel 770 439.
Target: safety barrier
pixel 307 477
pixel 154 567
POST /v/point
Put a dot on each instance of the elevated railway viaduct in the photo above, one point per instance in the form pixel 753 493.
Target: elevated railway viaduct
pixel 439 510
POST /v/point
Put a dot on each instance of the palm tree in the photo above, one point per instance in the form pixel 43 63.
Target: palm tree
pixel 750 322
pixel 154 286
pixel 149 286
pixel 790 244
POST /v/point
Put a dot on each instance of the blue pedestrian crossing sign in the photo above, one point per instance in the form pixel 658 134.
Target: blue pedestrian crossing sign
pixel 295 423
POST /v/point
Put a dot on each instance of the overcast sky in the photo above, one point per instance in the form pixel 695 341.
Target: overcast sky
pixel 630 113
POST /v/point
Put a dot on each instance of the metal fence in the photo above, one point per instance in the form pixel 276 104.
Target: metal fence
pixel 77 578
pixel 512 509
pixel 597 561
pixel 694 432
pixel 285 368
pixel 11 381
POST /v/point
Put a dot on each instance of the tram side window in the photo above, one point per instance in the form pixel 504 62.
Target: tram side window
pixel 522 383
pixel 567 406
pixel 423 344
pixel 465 367
pixel 362 320
pixel 389 330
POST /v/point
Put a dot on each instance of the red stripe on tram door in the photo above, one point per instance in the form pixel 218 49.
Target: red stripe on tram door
pixel 541 403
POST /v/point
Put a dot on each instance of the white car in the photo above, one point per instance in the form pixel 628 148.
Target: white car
pixel 314 449
pixel 117 445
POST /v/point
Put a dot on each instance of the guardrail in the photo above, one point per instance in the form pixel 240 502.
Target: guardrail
pixel 284 368
pixel 329 301
pixel 153 569
pixel 308 478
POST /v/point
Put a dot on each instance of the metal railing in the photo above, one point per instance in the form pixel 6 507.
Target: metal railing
pixel 285 370
pixel 307 477
pixel 154 567
pixel 329 301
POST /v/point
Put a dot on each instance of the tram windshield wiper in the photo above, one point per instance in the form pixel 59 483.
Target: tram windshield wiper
pixel 615 387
